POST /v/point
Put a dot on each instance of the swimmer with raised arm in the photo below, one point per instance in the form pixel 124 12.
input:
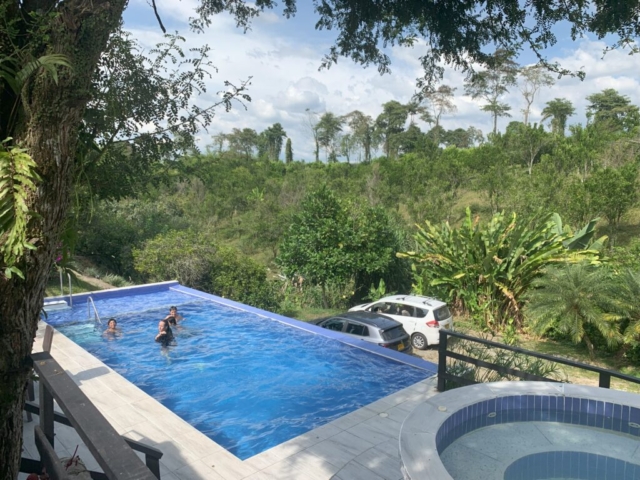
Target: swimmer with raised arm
pixel 165 334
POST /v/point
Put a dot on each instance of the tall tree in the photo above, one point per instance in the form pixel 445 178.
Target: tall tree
pixel 613 111
pixel 390 123
pixel 271 140
pixel 441 102
pixel 243 141
pixel 462 138
pixel 534 77
pixel 288 152
pixel 348 145
pixel 558 110
pixel 328 128
pixel 414 107
pixel 362 127
pixel 48 117
pixel 527 142
pixel 219 140
pixel 492 83
pixel 312 125
pixel 333 241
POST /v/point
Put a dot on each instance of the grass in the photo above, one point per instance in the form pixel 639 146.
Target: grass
pixel 308 314
pixel 570 351
pixel 77 284
pixel 580 354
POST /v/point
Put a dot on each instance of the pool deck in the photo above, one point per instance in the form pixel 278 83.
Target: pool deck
pixel 360 445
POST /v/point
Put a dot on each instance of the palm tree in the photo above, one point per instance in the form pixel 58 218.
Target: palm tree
pixel 629 293
pixel 572 297
pixel 559 110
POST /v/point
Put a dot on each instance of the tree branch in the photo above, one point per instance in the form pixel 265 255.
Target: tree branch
pixel 155 10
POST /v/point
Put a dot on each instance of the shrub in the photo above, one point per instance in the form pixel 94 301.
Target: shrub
pixel 195 259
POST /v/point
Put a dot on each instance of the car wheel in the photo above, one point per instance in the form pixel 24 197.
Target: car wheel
pixel 419 341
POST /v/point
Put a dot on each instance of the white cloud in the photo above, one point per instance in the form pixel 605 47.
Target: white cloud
pixel 286 80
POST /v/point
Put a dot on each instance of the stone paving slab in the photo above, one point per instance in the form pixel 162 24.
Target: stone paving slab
pixel 362 444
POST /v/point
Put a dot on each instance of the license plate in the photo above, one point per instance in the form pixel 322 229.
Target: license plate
pixel 401 346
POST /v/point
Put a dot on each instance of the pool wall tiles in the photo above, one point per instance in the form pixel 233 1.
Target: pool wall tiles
pixel 538 408
pixel 588 466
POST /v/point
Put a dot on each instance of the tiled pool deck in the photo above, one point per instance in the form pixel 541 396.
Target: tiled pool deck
pixel 360 445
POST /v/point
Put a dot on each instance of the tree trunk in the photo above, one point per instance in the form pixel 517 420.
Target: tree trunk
pixel 587 340
pixel 495 123
pixel 48 128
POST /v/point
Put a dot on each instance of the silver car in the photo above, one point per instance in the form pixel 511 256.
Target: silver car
pixel 370 327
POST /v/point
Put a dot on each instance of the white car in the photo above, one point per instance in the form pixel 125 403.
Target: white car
pixel 421 317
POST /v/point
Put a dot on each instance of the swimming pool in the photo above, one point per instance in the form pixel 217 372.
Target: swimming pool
pixel 245 380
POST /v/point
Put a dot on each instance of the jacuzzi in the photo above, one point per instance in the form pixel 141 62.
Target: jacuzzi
pixel 523 431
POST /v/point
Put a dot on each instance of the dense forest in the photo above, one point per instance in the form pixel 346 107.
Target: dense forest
pixel 496 225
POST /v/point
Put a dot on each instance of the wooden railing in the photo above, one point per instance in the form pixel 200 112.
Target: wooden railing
pixel 444 376
pixel 113 452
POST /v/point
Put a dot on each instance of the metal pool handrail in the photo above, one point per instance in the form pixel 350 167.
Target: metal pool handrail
pixel 95 310
pixel 70 288
pixel 604 374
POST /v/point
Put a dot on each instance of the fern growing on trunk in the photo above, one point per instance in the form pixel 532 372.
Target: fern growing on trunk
pixel 17 180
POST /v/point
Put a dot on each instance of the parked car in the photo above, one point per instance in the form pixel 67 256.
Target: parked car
pixel 422 317
pixel 370 327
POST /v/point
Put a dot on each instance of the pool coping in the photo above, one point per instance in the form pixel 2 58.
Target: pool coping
pixel 421 430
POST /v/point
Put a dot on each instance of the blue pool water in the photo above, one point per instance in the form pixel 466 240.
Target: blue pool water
pixel 247 382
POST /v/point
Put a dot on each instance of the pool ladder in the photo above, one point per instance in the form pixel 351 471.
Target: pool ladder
pixel 95 310
pixel 70 289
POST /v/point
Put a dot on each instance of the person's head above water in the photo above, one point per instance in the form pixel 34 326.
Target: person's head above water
pixel 163 325
pixel 173 310
pixel 112 323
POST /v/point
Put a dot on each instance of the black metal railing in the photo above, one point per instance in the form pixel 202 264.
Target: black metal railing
pixel 444 353
pixel 113 452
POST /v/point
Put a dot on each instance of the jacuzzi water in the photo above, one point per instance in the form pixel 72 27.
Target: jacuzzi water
pixel 247 382
pixel 543 451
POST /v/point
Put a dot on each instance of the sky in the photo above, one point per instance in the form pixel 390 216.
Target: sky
pixel 283 56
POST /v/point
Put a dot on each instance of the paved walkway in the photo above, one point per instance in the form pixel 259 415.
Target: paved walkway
pixel 360 445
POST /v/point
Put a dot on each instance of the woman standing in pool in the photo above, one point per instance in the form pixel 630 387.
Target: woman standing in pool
pixel 165 334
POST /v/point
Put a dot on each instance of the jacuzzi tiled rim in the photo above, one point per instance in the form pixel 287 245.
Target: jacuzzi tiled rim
pixel 438 422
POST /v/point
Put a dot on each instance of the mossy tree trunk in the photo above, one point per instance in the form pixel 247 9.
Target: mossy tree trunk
pixel 46 123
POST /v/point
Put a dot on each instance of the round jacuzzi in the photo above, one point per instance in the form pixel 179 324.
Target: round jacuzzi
pixel 523 431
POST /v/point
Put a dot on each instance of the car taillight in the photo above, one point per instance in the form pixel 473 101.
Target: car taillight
pixel 433 324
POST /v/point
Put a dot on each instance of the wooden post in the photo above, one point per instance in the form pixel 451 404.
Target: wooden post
pixel 48 338
pixel 46 412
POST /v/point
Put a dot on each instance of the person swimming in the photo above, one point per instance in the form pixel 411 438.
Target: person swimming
pixel 173 312
pixel 112 327
pixel 165 334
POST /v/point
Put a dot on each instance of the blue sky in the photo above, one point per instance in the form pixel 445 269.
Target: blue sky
pixel 283 57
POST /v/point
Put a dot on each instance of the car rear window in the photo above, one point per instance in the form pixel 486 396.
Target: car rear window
pixel 393 333
pixel 441 313
pixel 357 329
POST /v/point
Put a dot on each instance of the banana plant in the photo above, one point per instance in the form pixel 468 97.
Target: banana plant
pixel 485 269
